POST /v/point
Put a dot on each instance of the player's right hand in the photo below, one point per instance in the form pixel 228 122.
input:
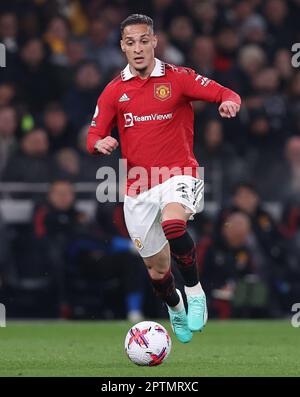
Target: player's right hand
pixel 106 145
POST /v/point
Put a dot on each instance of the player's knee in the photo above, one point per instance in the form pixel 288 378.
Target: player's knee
pixel 173 228
pixel 159 264
pixel 157 274
pixel 174 211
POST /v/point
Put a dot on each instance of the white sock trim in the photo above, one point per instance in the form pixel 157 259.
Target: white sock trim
pixel 180 306
pixel 193 291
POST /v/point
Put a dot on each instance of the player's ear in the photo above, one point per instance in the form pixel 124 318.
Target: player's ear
pixel 122 45
pixel 154 41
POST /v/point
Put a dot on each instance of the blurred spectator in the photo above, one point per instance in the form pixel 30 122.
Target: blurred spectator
pixel 31 162
pixel 36 77
pixel 266 85
pixel 75 53
pixel 222 167
pixel 282 60
pixel 167 52
pixel 266 231
pixel 263 154
pixel 205 16
pixel 294 96
pixel 203 55
pixel 113 15
pixel 292 153
pixel 56 36
pixel 55 225
pixel 67 165
pixel 98 48
pixel 8 127
pixel 228 271
pixel 87 85
pixel 276 263
pixel 7 94
pixel 90 164
pixel 290 226
pixel 277 15
pixel 286 173
pixel 58 218
pixel 242 10
pixel 60 132
pixel 271 171
pixel 162 11
pixel 290 287
pixel 30 23
pixel 9 31
pixel 181 33
pixel 254 30
pixel 74 56
pixel 227 44
pixel 251 60
pixel 74 249
pixel 77 18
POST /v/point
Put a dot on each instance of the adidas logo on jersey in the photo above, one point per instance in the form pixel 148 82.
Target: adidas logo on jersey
pixel 124 98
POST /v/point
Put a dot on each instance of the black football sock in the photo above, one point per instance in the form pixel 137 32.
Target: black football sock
pixel 182 250
pixel 165 289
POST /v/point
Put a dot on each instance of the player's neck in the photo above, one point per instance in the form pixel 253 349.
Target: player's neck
pixel 143 74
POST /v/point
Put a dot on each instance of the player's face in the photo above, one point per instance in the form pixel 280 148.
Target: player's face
pixel 138 43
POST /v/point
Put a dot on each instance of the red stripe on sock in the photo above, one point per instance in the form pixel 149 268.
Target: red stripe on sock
pixel 173 228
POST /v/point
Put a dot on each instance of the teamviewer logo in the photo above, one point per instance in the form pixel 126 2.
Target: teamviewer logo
pixel 128 119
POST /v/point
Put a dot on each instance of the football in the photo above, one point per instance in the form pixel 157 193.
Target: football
pixel 148 343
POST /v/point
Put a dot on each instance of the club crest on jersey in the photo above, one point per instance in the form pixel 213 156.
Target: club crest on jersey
pixel 162 91
pixel 138 243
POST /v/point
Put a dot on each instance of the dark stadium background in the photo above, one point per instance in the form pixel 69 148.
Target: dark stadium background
pixel 62 254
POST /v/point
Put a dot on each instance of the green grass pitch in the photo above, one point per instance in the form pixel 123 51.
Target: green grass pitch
pixel 225 348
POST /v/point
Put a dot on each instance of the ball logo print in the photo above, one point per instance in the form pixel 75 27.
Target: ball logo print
pixel 138 337
pixel 147 344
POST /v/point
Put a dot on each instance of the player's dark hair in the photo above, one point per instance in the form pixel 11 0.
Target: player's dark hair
pixel 136 19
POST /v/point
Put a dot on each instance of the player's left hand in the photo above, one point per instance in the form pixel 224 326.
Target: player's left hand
pixel 228 109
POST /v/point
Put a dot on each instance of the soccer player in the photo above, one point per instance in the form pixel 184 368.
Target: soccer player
pixel 150 102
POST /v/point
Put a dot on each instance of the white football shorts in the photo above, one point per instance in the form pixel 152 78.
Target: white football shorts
pixel 143 212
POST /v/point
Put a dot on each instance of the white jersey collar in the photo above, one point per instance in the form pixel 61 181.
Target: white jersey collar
pixel 158 71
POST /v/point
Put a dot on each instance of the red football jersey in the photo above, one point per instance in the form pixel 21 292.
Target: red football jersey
pixel 155 119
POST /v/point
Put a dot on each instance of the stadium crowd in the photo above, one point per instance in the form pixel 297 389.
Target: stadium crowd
pixel 59 56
